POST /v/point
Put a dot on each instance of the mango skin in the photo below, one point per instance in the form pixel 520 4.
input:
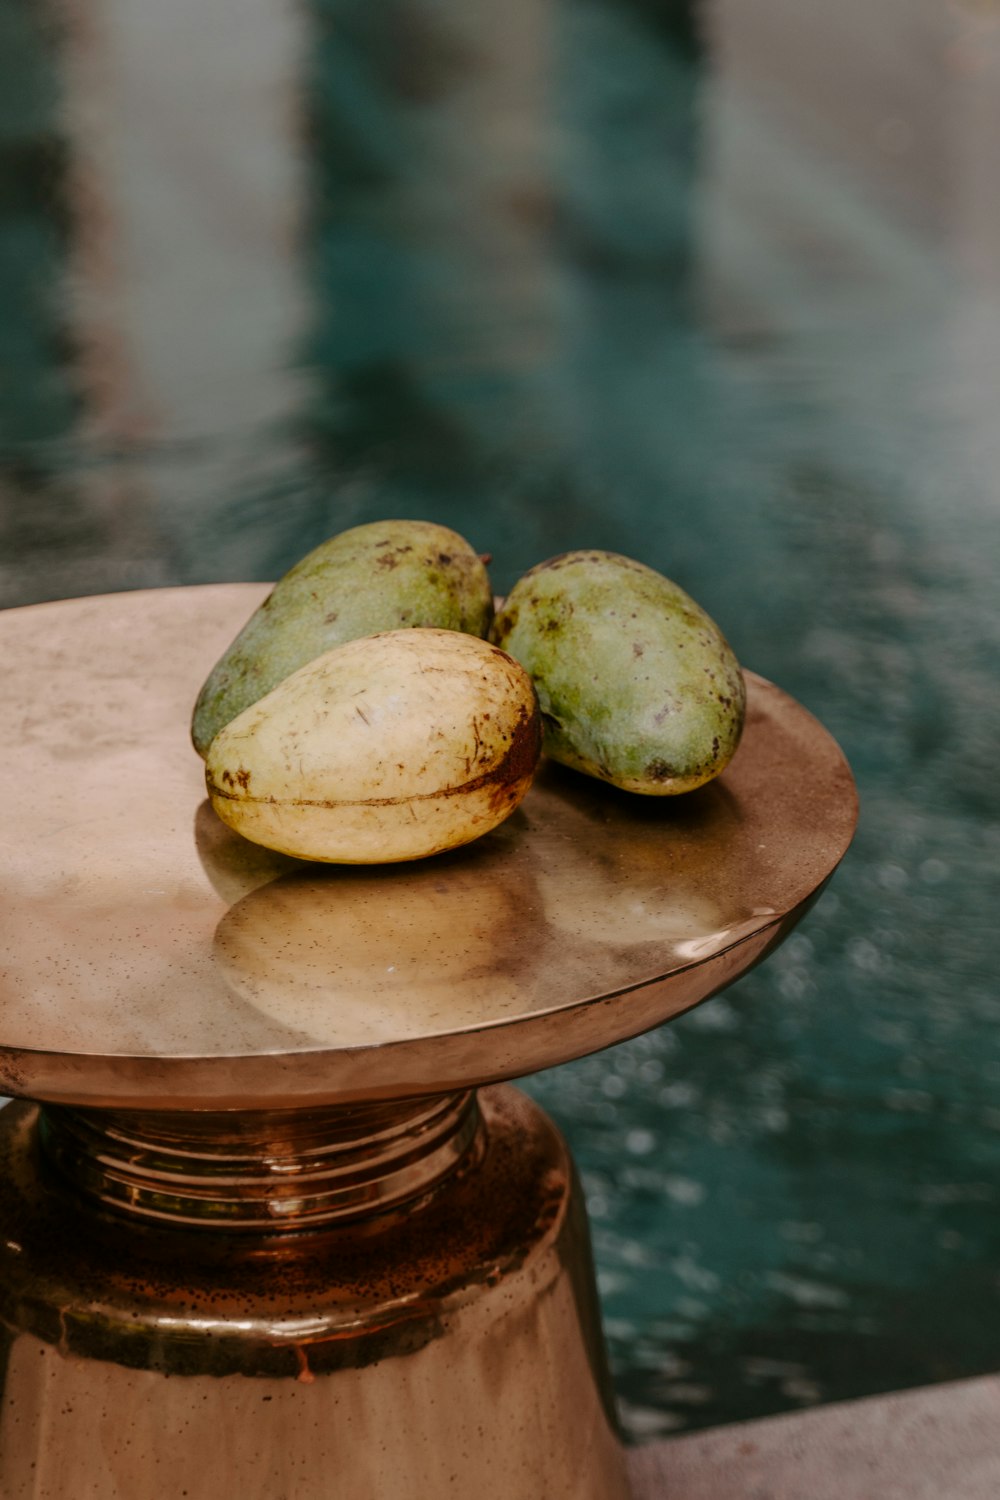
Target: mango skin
pixel 636 683
pixel 389 748
pixel 384 576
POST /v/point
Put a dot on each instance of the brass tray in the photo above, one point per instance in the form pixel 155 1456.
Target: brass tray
pixel 150 958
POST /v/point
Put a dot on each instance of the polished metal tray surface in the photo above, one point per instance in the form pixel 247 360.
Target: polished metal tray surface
pixel 149 957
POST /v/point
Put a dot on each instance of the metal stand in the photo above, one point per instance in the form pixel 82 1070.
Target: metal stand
pixel 448 1347
pixel 264 1236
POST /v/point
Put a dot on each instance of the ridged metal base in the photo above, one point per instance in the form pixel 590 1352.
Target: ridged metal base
pixel 262 1171
pixel 447 1347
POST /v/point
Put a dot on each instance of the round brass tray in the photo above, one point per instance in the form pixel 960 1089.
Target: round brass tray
pixel 150 958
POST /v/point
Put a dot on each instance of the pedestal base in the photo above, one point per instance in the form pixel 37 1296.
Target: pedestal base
pixel 448 1349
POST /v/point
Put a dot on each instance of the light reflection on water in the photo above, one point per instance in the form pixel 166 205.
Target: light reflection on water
pixel 605 274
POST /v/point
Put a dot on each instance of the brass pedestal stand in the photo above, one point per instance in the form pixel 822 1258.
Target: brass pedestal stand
pixel 263 1238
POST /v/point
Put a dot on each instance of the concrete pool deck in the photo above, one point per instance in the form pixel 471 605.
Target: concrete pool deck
pixel 937 1443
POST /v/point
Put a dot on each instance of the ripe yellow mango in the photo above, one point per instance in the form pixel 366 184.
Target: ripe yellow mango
pixel 388 748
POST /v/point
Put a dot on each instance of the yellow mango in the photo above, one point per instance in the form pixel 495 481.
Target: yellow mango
pixel 388 748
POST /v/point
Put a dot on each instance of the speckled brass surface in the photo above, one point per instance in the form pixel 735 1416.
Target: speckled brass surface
pixel 454 1350
pixel 152 959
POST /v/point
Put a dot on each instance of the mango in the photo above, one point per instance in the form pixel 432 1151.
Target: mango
pixel 636 684
pixel 389 748
pixel 385 576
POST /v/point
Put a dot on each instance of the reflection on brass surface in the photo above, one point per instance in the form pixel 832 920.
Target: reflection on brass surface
pixel 129 982
pixel 451 1351
pixel 621 858
pixel 233 865
pixel 359 957
pixel 261 1171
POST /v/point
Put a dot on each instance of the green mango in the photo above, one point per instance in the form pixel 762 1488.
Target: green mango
pixel 636 683
pixel 388 575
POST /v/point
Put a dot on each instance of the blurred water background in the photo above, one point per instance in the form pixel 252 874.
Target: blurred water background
pixel 717 286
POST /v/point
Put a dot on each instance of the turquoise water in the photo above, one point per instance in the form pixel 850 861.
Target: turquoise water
pixel 717 288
